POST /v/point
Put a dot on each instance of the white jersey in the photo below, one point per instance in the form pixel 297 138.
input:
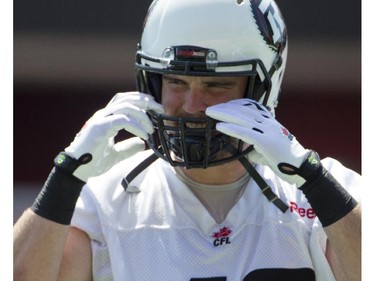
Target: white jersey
pixel 158 230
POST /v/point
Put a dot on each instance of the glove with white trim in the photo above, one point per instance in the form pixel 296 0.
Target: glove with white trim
pixel 94 151
pixel 274 146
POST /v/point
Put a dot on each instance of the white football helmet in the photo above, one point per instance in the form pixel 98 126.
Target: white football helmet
pixel 209 38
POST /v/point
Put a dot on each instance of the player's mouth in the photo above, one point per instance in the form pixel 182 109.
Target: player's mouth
pixel 195 125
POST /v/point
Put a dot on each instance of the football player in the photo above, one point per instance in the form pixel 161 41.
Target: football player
pixel 223 190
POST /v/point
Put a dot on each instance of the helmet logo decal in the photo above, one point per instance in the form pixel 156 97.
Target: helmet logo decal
pixel 270 23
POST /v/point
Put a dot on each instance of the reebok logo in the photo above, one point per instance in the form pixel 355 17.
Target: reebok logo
pixel 309 213
pixel 222 236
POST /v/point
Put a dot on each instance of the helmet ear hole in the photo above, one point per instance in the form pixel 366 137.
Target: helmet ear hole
pixel 259 89
pixel 255 88
pixel 149 83
pixel 154 87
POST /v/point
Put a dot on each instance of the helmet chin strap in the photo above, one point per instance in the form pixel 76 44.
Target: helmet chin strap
pixel 264 187
pixel 195 147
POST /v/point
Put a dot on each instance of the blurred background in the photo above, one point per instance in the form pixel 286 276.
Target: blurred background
pixel 71 57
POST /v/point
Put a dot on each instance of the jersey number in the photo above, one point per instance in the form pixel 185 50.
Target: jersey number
pixel 209 279
pixel 281 274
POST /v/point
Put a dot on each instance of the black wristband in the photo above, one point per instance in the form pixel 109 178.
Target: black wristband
pixel 57 200
pixel 327 197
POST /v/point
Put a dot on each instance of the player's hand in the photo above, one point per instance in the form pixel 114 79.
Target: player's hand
pixel 274 146
pixel 94 146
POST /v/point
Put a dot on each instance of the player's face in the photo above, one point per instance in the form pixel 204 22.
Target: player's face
pixel 189 96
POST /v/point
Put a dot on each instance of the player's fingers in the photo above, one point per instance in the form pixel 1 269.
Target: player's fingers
pixel 141 100
pixel 129 147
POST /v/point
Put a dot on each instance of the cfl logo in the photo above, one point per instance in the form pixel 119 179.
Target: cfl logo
pixel 222 236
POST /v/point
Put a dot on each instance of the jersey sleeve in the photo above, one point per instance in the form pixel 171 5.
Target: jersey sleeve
pixel 348 178
pixel 352 182
pixel 85 216
pixel 87 219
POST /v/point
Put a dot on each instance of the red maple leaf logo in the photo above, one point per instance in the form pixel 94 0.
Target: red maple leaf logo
pixel 223 232
pixel 285 131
